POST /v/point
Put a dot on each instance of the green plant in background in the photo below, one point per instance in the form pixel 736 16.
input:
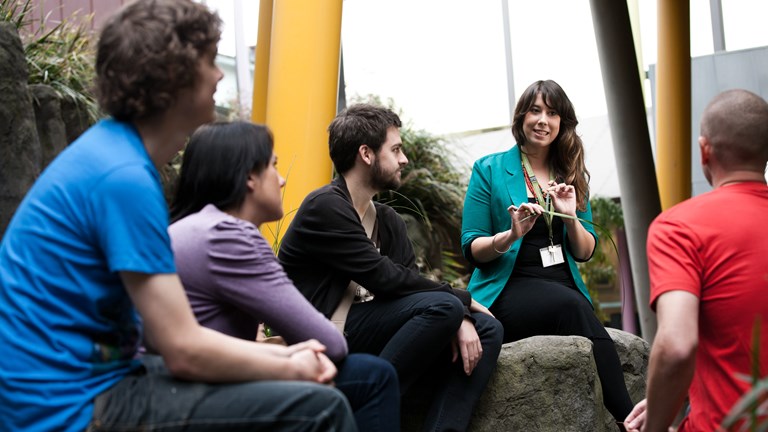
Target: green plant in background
pixel 600 270
pixel 431 199
pixel 276 228
pixel 61 57
pixel 15 12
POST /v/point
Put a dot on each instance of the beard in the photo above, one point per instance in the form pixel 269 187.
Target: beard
pixel 381 180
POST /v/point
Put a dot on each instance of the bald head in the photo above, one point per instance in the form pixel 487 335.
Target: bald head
pixel 736 125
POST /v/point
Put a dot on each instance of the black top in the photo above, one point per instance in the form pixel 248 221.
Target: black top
pixel 326 247
pixel 528 262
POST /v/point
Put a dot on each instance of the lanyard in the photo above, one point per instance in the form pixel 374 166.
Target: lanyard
pixel 533 184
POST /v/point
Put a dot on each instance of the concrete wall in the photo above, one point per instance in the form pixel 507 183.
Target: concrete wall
pixel 710 75
pixel 59 10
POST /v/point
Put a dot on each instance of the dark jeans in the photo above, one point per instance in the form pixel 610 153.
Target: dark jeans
pixel 414 333
pixel 152 400
pixel 370 384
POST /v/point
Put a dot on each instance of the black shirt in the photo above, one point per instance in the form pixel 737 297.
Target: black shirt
pixel 528 262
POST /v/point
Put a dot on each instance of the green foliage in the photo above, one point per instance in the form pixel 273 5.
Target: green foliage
pixel 432 188
pixel 430 182
pixel 15 12
pixel 61 57
pixel 607 213
pixel 599 270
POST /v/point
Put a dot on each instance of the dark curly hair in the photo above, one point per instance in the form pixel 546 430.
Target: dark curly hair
pixel 149 51
pixel 566 156
pixel 357 125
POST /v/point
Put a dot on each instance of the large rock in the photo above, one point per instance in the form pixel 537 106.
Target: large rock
pixel 76 119
pixel 549 383
pixel 634 353
pixel 50 126
pixel 542 383
pixel 20 153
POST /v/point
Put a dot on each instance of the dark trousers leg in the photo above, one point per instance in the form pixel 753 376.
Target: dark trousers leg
pixel 152 399
pixel 530 307
pixel 414 333
pixel 456 392
pixel 410 332
pixel 615 395
pixel 370 384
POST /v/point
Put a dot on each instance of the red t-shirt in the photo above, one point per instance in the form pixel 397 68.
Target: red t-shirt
pixel 716 247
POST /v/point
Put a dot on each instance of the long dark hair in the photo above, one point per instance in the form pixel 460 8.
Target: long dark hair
pixel 566 155
pixel 216 165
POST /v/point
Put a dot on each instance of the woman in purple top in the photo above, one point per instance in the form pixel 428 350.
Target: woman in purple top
pixel 229 186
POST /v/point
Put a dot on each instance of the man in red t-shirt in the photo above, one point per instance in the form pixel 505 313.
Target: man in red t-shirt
pixel 708 262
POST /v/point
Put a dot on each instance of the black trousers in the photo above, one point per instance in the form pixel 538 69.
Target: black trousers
pixel 534 306
pixel 414 333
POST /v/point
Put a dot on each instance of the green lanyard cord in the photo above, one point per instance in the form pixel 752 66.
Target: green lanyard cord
pixel 537 192
pixel 603 231
pixel 549 212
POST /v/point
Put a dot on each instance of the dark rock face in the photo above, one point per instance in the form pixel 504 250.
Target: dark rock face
pixel 549 383
pixel 50 127
pixel 75 117
pixel 20 153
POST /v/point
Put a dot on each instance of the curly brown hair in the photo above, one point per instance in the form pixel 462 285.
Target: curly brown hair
pixel 148 52
pixel 566 155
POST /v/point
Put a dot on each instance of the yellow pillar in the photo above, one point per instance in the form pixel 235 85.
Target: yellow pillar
pixel 673 102
pixel 302 95
pixel 261 66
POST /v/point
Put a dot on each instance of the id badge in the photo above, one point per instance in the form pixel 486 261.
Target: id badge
pixel 551 255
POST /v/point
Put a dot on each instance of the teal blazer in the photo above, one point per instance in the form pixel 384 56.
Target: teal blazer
pixel 498 181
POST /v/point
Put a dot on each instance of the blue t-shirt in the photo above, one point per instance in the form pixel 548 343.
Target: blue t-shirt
pixel 68 329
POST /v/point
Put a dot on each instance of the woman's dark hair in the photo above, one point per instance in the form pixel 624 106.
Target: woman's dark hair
pixel 216 165
pixel 357 125
pixel 149 51
pixel 566 155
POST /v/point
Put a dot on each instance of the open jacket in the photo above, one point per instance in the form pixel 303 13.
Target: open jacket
pixel 497 182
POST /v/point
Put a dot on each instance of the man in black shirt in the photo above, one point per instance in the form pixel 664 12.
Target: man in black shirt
pixel 425 328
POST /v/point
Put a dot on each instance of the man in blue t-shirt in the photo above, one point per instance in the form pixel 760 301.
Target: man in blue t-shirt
pixel 87 272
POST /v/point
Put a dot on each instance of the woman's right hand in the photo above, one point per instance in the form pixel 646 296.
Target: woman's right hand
pixel 486 249
pixel 523 218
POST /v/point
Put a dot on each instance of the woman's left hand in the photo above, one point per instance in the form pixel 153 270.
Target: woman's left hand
pixel 477 307
pixel 563 197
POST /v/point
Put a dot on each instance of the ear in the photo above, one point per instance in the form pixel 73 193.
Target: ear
pixel 706 150
pixel 252 180
pixel 366 154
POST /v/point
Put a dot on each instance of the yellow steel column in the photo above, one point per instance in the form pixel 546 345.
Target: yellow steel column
pixel 673 102
pixel 261 66
pixel 302 95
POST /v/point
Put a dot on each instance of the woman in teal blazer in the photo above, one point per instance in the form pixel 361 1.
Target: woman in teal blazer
pixel 525 259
